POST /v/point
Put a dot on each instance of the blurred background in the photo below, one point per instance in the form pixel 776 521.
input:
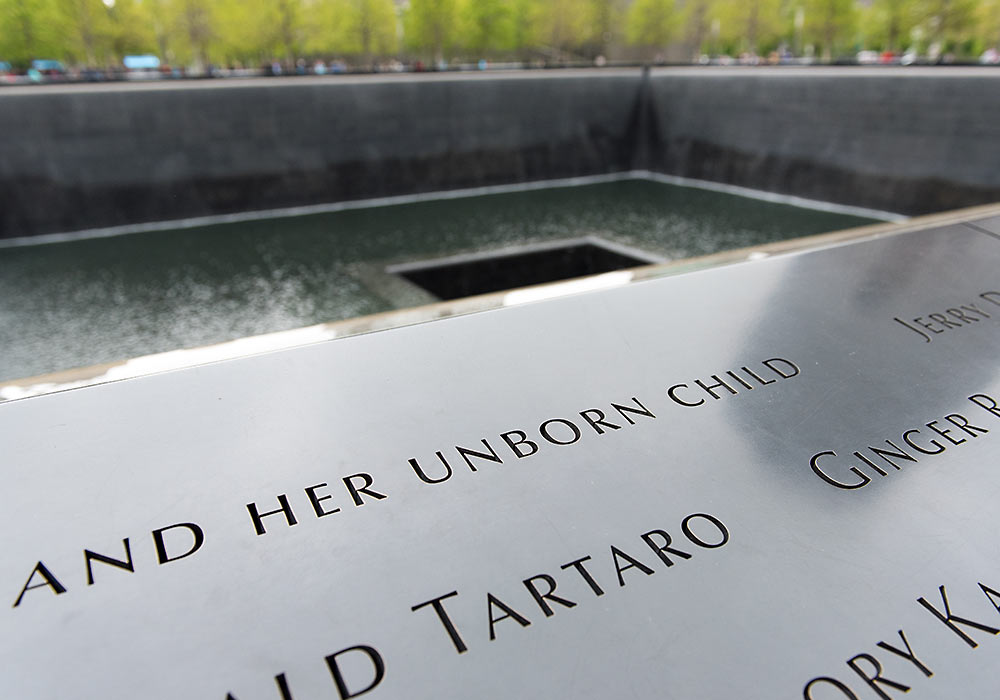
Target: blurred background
pixel 44 40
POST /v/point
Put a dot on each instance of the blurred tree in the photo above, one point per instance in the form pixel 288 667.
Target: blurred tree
pixel 487 26
pixel 86 29
pixel 374 23
pixel 749 25
pixel 650 24
pixel 988 24
pixel 194 24
pixel 889 23
pixel 363 28
pixel 158 20
pixel 289 26
pixel 245 31
pixel 948 21
pixel 524 27
pixel 255 31
pixel 697 22
pixel 26 31
pixel 130 32
pixel 604 19
pixel 564 27
pixel 430 26
pixel 830 23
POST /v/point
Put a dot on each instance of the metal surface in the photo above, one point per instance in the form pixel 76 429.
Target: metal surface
pixel 811 576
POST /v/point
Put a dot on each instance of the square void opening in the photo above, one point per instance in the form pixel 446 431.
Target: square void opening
pixel 468 275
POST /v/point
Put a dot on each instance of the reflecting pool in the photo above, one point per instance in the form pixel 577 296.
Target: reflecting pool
pixel 100 300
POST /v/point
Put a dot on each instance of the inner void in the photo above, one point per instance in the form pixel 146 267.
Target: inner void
pixel 464 276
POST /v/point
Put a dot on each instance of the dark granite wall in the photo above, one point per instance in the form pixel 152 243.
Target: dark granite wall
pixel 904 142
pixel 74 158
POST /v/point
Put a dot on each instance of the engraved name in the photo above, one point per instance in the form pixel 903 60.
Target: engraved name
pixel 960 316
pixel 582 578
pixel 904 665
pixel 931 438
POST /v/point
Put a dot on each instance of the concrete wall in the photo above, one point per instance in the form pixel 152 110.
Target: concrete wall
pixel 74 157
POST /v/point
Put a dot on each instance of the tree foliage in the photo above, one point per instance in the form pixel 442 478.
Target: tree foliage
pixel 988 23
pixel 28 29
pixel 188 32
pixel 890 23
pixel 431 26
pixel 487 26
pixel 651 24
pixel 830 24
pixel 750 25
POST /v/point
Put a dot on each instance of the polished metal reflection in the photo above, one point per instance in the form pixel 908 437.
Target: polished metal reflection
pixel 811 575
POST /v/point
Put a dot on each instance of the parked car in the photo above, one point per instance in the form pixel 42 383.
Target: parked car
pixel 47 70
pixel 142 67
pixel 10 75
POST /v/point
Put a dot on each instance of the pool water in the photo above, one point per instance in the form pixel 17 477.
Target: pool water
pixel 99 300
